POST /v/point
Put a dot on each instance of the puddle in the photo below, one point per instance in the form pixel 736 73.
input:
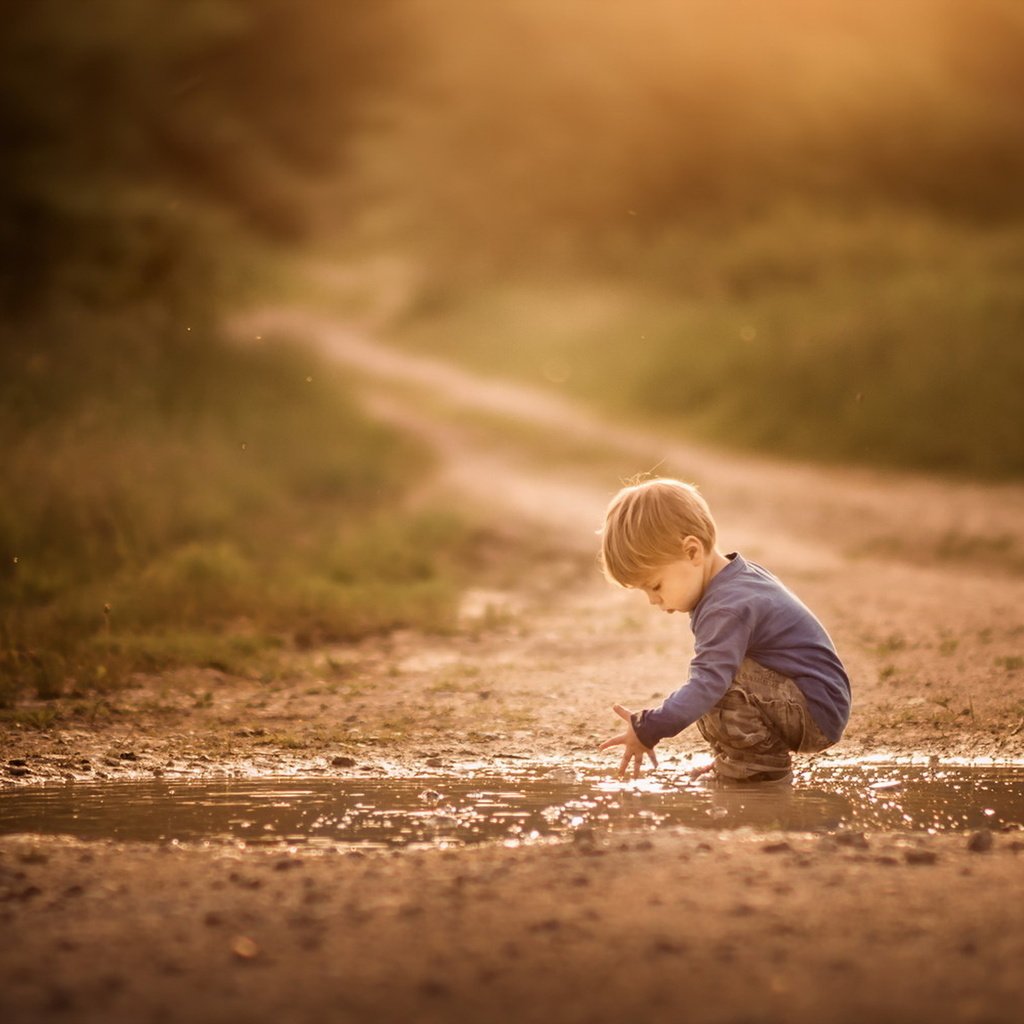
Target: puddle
pixel 533 806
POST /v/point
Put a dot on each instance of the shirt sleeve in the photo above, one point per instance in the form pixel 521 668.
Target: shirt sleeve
pixel 722 638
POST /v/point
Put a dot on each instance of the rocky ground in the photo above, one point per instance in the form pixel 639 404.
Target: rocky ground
pixel 921 583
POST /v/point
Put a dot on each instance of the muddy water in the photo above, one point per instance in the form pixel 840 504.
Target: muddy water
pixel 522 807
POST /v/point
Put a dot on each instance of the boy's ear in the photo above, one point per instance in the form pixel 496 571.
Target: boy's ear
pixel 692 547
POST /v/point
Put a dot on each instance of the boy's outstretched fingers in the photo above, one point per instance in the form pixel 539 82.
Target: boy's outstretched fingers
pixel 635 750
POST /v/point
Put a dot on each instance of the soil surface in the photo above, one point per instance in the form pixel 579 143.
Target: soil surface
pixel 920 582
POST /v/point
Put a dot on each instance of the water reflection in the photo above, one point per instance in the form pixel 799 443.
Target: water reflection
pixel 529 806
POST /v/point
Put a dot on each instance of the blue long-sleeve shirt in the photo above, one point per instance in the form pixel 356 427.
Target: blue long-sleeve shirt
pixel 746 612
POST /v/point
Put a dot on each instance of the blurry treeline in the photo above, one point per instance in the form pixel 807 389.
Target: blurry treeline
pixel 583 123
pixel 136 132
pixel 802 222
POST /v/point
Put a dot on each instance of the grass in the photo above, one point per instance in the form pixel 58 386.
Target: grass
pixel 199 505
pixel 887 338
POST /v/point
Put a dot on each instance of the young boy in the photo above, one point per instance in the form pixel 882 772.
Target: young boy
pixel 765 678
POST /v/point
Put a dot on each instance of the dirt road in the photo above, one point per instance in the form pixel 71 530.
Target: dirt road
pixel 921 583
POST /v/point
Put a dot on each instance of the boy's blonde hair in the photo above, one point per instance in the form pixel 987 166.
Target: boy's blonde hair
pixel 645 526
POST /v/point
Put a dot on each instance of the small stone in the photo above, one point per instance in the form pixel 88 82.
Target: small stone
pixel 128 755
pixel 17 762
pixel 782 847
pixel 920 856
pixel 244 948
pixel 18 771
pixel 666 947
pixel 434 762
pixel 856 840
pixel 550 924
pixel 244 883
pixel 435 988
pixel 212 919
pixel 288 862
pixel 343 762
pixel 980 841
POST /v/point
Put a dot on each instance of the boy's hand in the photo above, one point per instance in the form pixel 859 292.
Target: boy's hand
pixel 635 750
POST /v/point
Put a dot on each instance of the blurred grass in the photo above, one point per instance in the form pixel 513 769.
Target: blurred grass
pixel 194 504
pixel 890 338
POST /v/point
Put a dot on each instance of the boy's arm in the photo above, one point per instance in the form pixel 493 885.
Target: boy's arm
pixel 722 639
pixel 635 750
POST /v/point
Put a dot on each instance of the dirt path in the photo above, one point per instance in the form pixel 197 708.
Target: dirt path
pixel 921 584
pixel 921 581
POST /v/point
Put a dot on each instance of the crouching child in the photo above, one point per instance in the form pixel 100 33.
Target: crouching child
pixel 765 680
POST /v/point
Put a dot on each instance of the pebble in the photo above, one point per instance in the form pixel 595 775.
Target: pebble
pixel 584 836
pixel 343 762
pixel 434 987
pixel 244 948
pixel 667 947
pixel 980 841
pixel 920 856
pixel 855 839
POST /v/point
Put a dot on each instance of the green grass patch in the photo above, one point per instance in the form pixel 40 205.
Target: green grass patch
pixel 186 503
pixel 882 339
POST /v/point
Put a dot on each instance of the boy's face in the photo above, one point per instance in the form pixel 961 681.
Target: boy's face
pixel 678 586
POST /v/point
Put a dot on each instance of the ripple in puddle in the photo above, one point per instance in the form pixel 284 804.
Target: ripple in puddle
pixel 526 807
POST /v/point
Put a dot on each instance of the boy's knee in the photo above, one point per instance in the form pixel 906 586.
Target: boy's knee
pixel 763 710
pixel 738 723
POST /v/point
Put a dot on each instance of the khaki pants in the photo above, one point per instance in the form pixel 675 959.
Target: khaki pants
pixel 760 720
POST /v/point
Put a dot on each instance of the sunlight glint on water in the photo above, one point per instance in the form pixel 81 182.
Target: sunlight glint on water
pixel 386 813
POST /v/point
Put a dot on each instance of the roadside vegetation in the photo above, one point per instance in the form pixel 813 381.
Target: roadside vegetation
pixel 172 500
pixel 214 512
pixel 891 340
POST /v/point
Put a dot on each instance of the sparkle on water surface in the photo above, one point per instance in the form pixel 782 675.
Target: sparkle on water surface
pixel 516 807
